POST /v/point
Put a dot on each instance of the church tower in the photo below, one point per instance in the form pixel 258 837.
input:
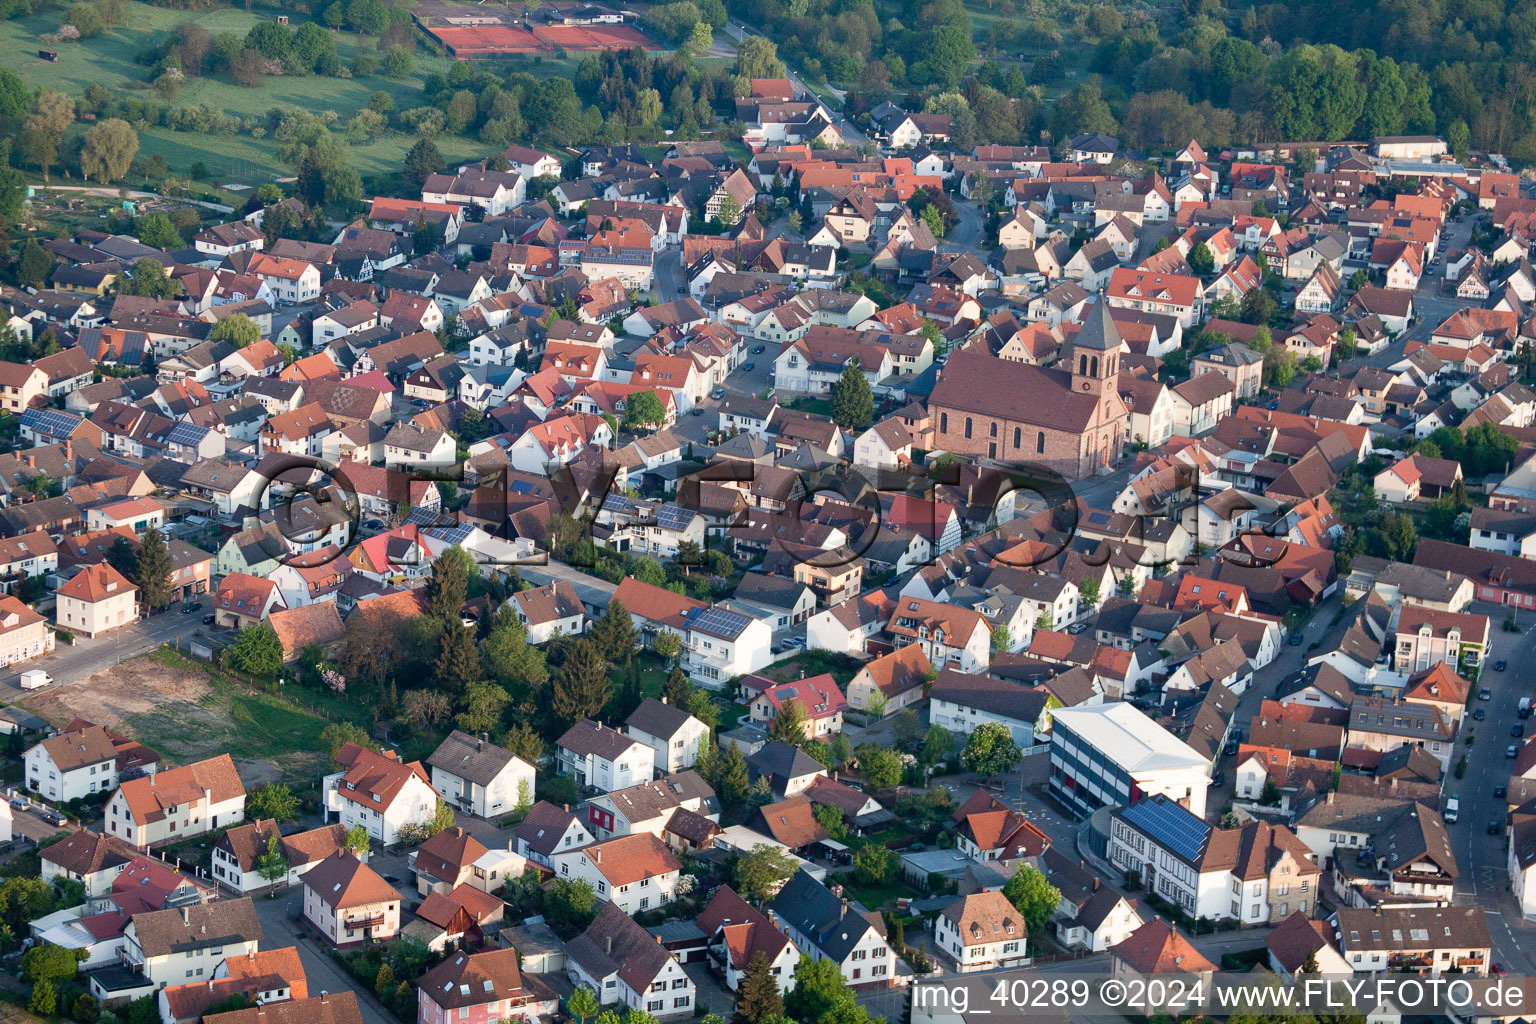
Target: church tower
pixel 1096 353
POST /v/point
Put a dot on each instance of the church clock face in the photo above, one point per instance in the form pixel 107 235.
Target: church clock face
pixel 1086 385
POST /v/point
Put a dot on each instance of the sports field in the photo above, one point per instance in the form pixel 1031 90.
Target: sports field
pixel 480 41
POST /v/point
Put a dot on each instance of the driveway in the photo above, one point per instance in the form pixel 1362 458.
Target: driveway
pixel 280 926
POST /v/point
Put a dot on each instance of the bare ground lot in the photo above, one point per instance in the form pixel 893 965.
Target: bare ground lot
pixel 188 712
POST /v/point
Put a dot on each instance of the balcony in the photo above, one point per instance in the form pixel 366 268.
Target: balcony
pixel 1410 961
pixel 373 921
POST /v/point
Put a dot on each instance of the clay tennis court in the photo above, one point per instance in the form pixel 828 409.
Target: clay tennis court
pixel 466 42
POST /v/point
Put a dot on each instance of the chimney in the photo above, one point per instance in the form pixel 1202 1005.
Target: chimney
pixel 598 850
pixel 663 698
pixel 844 912
pixel 608 944
pixel 480 742
pixel 1394 784
pixel 1330 796
pixel 31 461
pixel 185 917
pixel 1095 883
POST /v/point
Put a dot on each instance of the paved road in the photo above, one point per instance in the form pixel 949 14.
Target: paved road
pixel 280 929
pixel 1480 856
pixel 70 664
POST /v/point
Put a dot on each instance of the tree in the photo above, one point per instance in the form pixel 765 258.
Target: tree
pixel 33 265
pixel 1002 639
pixel 582 685
pixel 507 654
pixel 879 767
pixel 149 279
pixel 934 220
pixel 938 745
pixel 153 567
pixel 990 750
pixel 644 409
pixel 667 645
pixel 272 800
pixel 732 779
pixel 700 39
pixel 583 1004
pixel 421 161
pixel 790 723
pixel 760 873
pixel 157 230
pixel 384 981
pixel 613 633
pixel 43 130
pixel 524 741
pixel 256 651
pixel 50 963
pixel 757 996
pixel 873 864
pixel 448 587
pixel 272 865
pixel 442 818
pixel 853 405
pixel 398 62
pixel 339 734
pixel 570 906
pixel 44 998
pixel 831 819
pixel 1200 260
pixel 357 840
pixel 237 329
pixel 1089 592
pixel 109 149
pixel 425 708
pixel 458 660
pixel 1033 896
pixel 821 995
pixel 484 703
pixel 758 57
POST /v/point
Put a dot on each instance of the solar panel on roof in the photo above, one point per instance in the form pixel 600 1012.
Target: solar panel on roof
pixel 456 534
pixel 1170 826
pixel 615 503
pixel 186 433
pixel 720 622
pixel 671 517
pixel 49 421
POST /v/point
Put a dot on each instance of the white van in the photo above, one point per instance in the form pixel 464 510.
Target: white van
pixel 1452 810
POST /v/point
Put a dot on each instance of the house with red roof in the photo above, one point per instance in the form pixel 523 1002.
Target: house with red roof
pixel 96 599
pixel 292 281
pixel 377 790
pixel 349 902
pixel 243 600
pixel 738 932
pixel 399 553
pixel 177 803
pixel 1156 949
pixel 818 696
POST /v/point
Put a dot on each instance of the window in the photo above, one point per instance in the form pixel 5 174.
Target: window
pixel 1040 442
pixel 967 428
pixel 943 422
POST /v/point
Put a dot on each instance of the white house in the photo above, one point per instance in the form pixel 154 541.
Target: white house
pixel 547 830
pixel 177 803
pixel 826 927
pixel 623 963
pixel 378 791
pixel 637 872
pixel 602 757
pixel 673 733
pixel 981 931
pixel 72 765
pixel 479 777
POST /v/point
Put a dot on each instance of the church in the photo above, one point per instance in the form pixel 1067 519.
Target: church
pixel 1069 417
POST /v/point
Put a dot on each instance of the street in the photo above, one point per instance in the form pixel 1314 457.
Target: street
pixel 280 926
pixel 70 664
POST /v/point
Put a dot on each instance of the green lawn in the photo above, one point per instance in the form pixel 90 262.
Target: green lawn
pixel 250 725
pixel 109 59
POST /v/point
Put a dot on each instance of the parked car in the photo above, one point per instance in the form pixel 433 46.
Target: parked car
pixel 19 803
pixel 195 606
pixel 1495 827
pixel 1512 751
pixel 1500 791
pixel 1485 694
pixel 208 619
pixel 1297 640
pixel 758 350
pixel 1479 714
pixel 1077 627
pixel 749 367
pixel 717 394
pixel 54 818
pixel 1517 730
pixel 1500 665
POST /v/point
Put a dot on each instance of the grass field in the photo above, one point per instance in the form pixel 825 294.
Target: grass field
pixel 110 60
